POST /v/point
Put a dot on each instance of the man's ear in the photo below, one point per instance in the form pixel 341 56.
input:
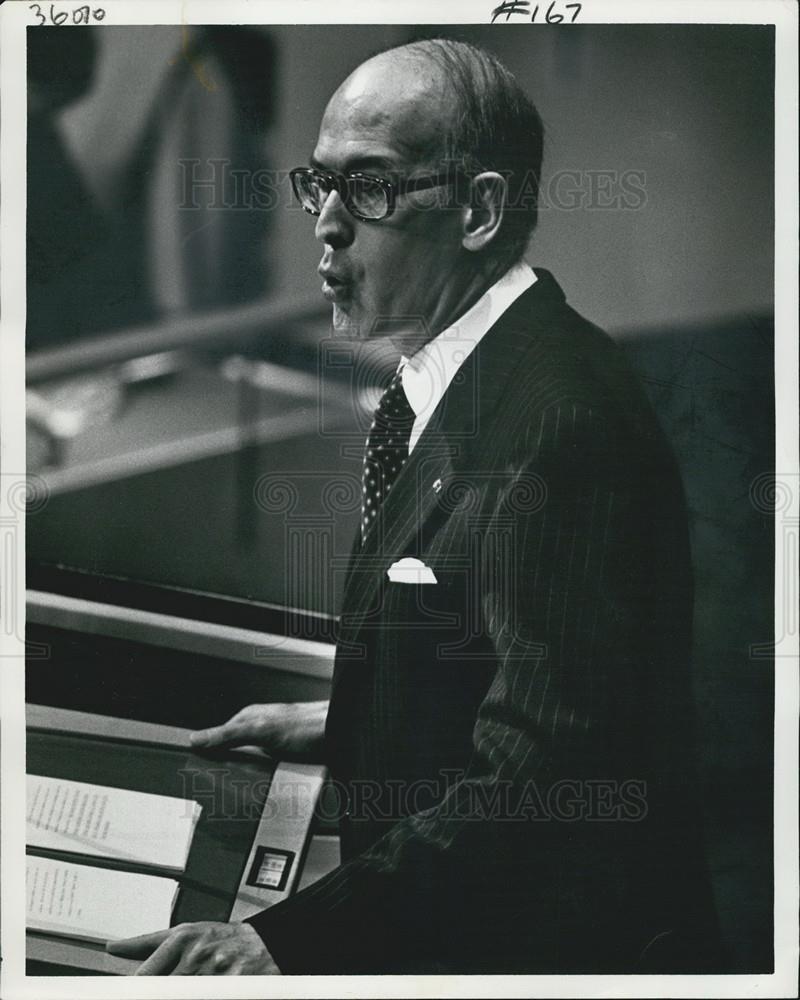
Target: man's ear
pixel 483 218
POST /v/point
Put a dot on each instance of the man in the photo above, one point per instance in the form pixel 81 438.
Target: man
pixel 510 713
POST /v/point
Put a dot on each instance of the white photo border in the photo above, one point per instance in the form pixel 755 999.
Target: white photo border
pixel 14 18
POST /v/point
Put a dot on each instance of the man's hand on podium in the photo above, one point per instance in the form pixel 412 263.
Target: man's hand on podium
pixel 294 731
pixel 206 948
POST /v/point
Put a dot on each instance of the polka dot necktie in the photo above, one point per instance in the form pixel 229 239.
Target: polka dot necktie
pixel 386 451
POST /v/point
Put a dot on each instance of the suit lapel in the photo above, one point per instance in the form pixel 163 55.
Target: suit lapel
pixel 451 441
pixel 413 500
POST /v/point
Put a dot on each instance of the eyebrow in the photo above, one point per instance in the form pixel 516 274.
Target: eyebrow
pixel 358 164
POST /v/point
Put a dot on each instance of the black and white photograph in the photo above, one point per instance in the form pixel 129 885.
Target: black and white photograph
pixel 399 499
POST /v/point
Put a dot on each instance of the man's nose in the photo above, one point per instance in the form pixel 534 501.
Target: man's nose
pixel 335 223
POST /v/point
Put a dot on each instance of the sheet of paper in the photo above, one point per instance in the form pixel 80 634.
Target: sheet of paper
pixel 96 904
pixel 110 822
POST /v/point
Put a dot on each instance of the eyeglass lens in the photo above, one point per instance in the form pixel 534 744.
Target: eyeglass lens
pixel 367 197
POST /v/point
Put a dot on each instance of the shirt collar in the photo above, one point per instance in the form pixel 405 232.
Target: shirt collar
pixel 429 372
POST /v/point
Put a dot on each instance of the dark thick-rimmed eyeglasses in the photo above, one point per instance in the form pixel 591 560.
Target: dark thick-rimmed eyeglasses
pixel 366 197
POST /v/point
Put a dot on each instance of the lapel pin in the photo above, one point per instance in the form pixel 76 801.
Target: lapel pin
pixel 437 486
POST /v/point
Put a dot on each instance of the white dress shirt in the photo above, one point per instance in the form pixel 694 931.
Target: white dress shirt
pixel 428 373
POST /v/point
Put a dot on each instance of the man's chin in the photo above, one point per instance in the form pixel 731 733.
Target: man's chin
pixel 347 324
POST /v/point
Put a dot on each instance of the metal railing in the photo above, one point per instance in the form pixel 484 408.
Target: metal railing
pixel 231 327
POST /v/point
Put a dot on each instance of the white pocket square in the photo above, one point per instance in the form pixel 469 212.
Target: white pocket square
pixel 410 570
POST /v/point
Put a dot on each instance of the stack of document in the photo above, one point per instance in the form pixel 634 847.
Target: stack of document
pixel 139 828
pixel 95 904
pixel 110 822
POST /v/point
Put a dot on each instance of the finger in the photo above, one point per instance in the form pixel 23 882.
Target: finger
pixel 137 947
pixel 201 962
pixel 228 734
pixel 165 957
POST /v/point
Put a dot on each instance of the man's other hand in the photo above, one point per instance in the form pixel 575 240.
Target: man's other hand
pixel 288 731
pixel 202 949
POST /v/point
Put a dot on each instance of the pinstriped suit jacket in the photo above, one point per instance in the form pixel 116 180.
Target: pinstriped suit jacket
pixel 513 742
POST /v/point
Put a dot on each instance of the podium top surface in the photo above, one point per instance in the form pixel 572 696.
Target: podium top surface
pixel 250 803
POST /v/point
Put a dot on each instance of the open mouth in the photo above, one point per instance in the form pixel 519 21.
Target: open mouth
pixel 334 289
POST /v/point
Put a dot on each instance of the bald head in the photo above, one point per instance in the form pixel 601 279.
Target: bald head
pixel 439 101
pixel 400 97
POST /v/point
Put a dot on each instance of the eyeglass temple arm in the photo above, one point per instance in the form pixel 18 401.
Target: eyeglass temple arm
pixel 419 184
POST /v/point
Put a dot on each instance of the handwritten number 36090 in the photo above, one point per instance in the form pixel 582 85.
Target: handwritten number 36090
pixel 80 15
